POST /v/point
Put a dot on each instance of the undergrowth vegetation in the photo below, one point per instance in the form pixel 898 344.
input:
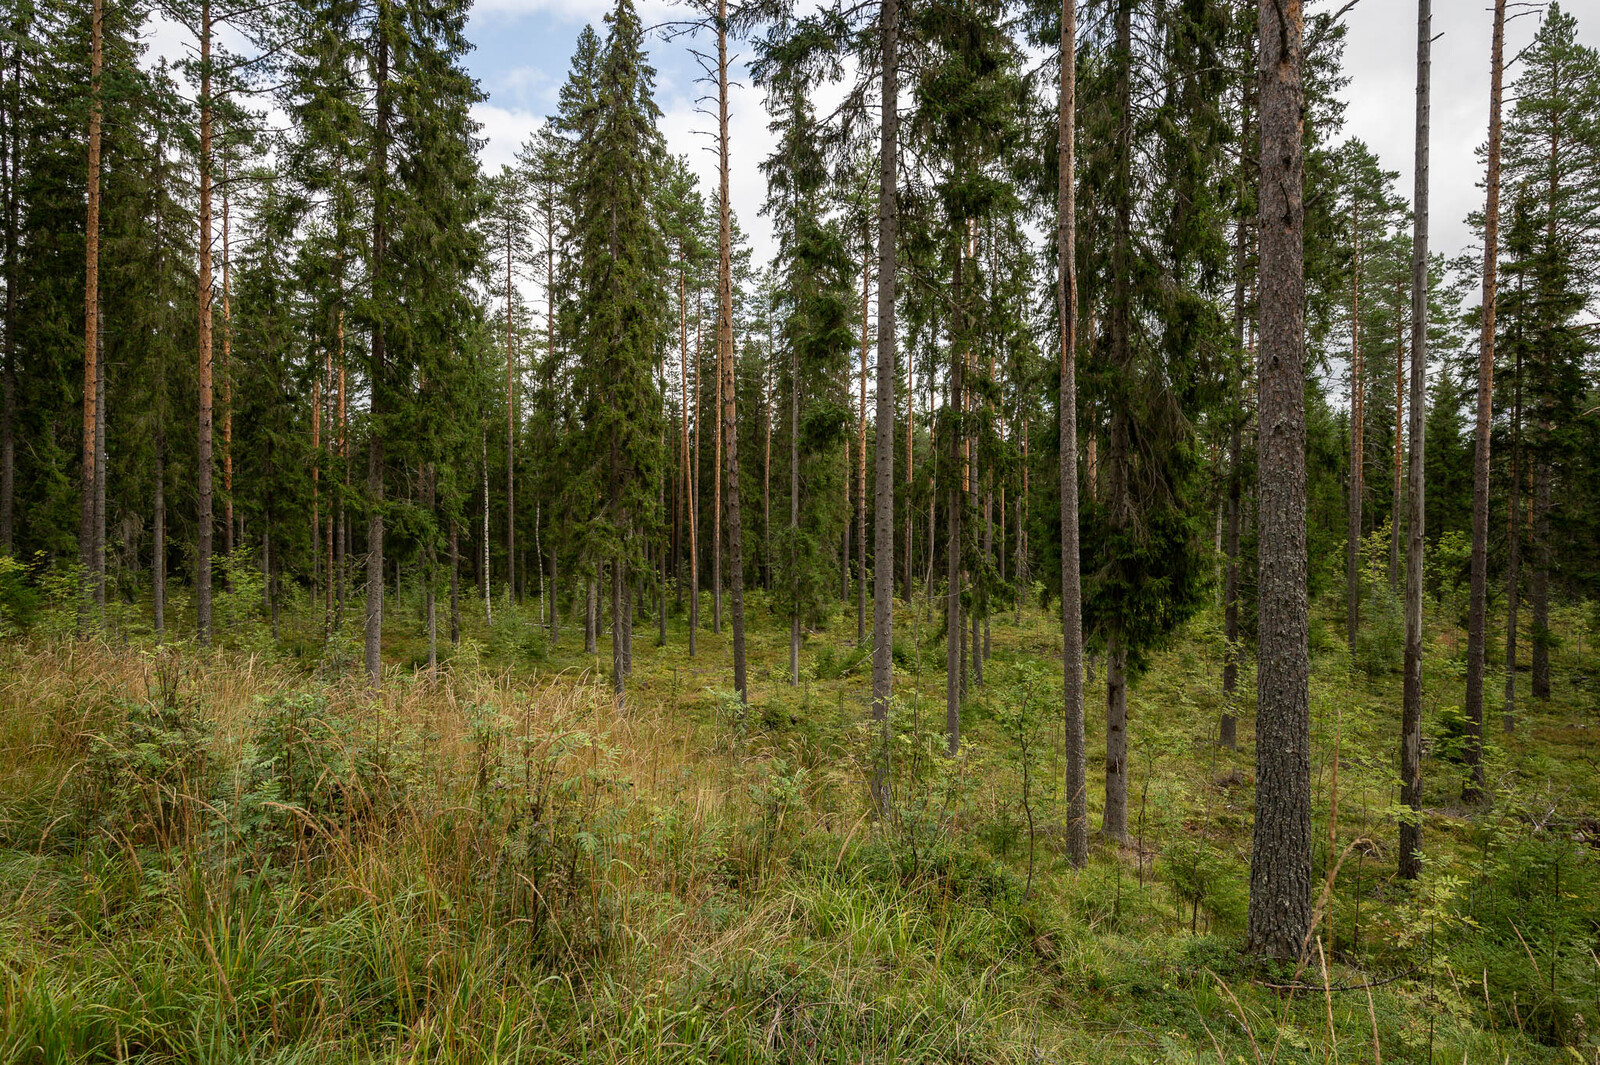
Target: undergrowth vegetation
pixel 248 855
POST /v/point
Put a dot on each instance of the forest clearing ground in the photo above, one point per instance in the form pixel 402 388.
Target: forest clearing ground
pixel 497 865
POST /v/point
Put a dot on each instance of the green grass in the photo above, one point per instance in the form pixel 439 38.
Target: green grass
pixel 247 856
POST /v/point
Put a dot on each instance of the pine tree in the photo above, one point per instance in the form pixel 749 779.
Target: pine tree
pixel 1478 605
pixel 1280 869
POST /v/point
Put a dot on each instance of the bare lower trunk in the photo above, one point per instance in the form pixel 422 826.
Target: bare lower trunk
pixel 1410 864
pixel 1399 466
pixel 1539 597
pixel 1114 822
pixel 455 584
pixel 158 554
pixel 619 670
pixel 10 163
pixel 883 471
pixel 590 606
pixel 1352 576
pixel 102 466
pixel 373 634
pixel 861 458
pixel 430 565
pixel 730 421
pixel 1280 872
pixel 1228 730
pixel 794 518
pixel 955 630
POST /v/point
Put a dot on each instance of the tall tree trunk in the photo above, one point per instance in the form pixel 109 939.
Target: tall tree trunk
pixel 203 493
pixel 716 479
pixel 910 474
pixel 766 462
pixel 1477 607
pixel 373 634
pixel 1280 872
pixel 91 320
pixel 102 467
pixel 158 553
pixel 511 436
pixel 483 565
pixel 10 169
pixel 316 483
pixel 883 472
pixel 226 336
pixel 1352 575
pixel 430 567
pixel 955 630
pixel 455 583
pixel 1539 594
pixel 1514 540
pixel 1399 435
pixel 341 532
pixel 861 452
pixel 1411 710
pixel 682 495
pixel 1114 821
pixel 694 490
pixel 590 622
pixel 1228 726
pixel 619 664
pixel 730 421
pixel 794 516
pixel 1077 782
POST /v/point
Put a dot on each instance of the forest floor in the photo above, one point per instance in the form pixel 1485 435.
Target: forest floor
pixel 246 855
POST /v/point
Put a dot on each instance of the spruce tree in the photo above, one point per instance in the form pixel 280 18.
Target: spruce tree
pixel 619 312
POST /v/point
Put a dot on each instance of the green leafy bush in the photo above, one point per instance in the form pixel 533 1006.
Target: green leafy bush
pixel 146 780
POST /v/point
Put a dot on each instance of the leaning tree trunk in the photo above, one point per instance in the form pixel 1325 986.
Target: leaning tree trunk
pixel 1280 871
pixel 883 469
pixel 1067 308
pixel 1477 607
pixel 1410 865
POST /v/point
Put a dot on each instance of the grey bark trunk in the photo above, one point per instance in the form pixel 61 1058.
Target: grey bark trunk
pixel 1539 672
pixel 158 554
pixel 1077 783
pixel 1398 505
pixel 373 627
pixel 203 473
pixel 730 421
pixel 455 584
pixel 955 631
pixel 1280 871
pixel 794 517
pixel 1478 596
pixel 1410 864
pixel 1352 576
pixel 883 472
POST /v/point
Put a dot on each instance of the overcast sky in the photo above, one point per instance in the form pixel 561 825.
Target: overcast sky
pixel 524 47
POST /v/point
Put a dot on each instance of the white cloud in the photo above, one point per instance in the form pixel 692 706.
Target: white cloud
pixel 505 131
